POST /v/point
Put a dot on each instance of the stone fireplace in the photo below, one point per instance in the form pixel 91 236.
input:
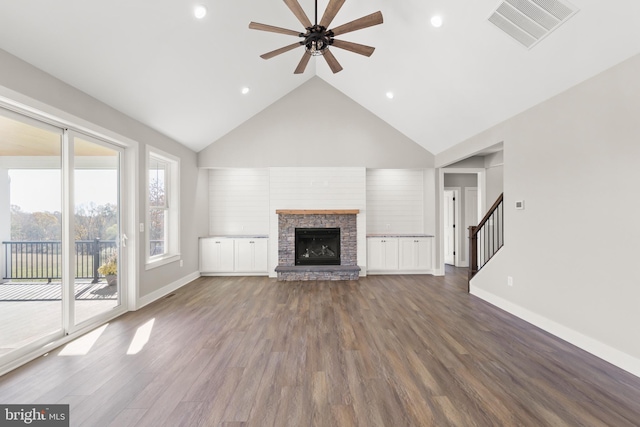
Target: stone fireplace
pixel 324 247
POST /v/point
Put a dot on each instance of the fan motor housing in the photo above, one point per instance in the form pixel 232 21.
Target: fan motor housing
pixel 317 39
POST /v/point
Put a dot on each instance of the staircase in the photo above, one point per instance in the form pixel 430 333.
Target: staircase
pixel 486 238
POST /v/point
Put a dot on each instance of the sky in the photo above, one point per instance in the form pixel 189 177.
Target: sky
pixel 36 190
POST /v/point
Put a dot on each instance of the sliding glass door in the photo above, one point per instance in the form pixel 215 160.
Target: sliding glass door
pixel 61 259
pixel 96 224
pixel 31 232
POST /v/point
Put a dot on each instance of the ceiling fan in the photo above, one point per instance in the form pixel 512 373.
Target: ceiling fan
pixel 318 37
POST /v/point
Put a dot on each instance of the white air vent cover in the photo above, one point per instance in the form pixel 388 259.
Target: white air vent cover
pixel 529 21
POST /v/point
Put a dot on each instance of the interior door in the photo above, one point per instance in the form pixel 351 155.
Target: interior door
pixel 97 235
pixel 449 227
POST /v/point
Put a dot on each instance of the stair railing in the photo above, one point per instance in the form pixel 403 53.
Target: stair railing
pixel 487 237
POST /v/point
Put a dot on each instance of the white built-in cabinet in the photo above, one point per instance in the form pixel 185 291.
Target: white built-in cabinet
pixel 415 253
pixel 400 255
pixel 382 254
pixel 250 255
pixel 233 255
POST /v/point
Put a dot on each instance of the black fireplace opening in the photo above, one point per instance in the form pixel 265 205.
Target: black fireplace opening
pixel 317 246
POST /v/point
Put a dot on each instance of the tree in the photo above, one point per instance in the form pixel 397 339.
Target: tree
pixel 93 222
pixel 157 215
pixel 37 226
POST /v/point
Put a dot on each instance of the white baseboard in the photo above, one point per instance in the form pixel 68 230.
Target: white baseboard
pixel 400 272
pixel 232 274
pixel 588 344
pixel 165 290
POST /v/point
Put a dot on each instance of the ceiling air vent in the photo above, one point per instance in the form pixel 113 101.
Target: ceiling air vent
pixel 529 21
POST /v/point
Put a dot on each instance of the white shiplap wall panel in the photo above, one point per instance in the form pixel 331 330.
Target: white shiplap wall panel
pixel 238 201
pixel 317 188
pixel 395 201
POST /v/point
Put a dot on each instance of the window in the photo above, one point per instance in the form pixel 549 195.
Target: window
pixel 163 208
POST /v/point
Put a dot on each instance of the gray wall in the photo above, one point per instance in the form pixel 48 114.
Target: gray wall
pixel 574 161
pixel 315 125
pixel 24 79
pixel 494 178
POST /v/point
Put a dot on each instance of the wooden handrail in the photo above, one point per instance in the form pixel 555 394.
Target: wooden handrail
pixel 473 238
pixel 490 212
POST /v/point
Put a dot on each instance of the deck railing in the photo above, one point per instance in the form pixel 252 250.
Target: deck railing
pixel 43 260
pixel 487 237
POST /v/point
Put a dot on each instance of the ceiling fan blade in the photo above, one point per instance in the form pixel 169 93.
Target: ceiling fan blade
pixel 272 29
pixel 302 65
pixel 332 61
pixel 297 10
pixel 354 47
pixel 364 22
pixel 330 12
pixel 276 52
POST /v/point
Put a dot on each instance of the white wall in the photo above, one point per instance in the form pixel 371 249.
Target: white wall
pixel 239 201
pixel 395 201
pixel 315 125
pixel 317 188
pixel 574 161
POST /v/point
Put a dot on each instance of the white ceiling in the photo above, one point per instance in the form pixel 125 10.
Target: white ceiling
pixel 152 60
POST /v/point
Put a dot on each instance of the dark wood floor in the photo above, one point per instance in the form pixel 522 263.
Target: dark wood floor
pixel 382 351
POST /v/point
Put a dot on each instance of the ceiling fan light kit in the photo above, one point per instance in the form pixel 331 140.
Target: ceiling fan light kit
pixel 318 38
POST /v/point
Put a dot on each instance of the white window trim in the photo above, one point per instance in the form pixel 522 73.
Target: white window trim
pixel 173 191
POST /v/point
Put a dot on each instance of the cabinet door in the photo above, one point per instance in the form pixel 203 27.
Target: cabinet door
pixel 260 255
pixel 244 255
pixel 382 254
pixel 416 253
pixel 390 253
pixel 207 255
pixel 375 254
pixel 424 253
pixel 216 255
pixel 408 253
pixel 251 255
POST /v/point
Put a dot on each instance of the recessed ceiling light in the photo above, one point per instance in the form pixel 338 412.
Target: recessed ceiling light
pixel 390 95
pixel 200 11
pixel 436 21
pixel 245 90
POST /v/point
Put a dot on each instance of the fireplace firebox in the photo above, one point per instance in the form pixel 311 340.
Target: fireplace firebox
pixel 317 246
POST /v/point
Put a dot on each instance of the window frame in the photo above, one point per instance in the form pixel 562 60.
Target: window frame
pixel 171 207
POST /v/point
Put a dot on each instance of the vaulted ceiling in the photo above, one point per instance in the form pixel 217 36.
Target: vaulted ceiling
pixel 154 61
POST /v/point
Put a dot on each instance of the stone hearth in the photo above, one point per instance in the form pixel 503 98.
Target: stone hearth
pixel 289 220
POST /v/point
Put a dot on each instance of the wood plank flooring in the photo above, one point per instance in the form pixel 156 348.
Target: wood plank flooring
pixel 381 351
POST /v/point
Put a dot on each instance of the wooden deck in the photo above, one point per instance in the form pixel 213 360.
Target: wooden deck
pixel 381 351
pixel 31 310
pixel 40 291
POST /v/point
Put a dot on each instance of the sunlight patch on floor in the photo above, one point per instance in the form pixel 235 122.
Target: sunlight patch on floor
pixel 141 338
pixel 82 345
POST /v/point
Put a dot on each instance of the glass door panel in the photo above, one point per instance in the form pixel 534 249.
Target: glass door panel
pixel 31 224
pixel 96 224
